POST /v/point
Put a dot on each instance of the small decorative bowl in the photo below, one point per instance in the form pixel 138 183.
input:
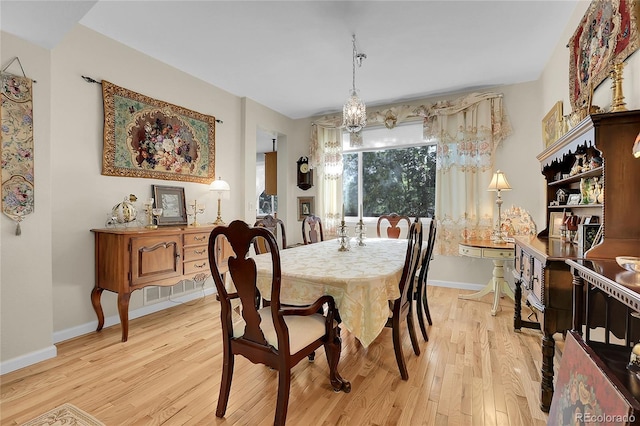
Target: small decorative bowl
pixel 629 263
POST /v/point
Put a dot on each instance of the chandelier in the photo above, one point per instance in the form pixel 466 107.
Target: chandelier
pixel 354 112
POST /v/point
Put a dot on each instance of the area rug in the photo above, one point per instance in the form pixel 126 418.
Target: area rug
pixel 64 415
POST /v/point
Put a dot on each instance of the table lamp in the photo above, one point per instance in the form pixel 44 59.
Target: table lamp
pixel 222 189
pixel 499 183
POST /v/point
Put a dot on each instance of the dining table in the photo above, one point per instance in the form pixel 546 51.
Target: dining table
pixel 362 280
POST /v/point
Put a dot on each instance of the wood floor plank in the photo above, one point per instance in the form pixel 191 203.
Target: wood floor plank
pixel 473 370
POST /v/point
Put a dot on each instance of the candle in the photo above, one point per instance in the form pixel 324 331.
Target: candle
pixel 361 208
pixel 343 212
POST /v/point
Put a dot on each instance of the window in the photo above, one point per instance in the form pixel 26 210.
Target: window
pixel 394 171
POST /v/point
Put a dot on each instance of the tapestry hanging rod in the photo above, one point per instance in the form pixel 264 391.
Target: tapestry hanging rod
pixel 91 80
pixel 19 63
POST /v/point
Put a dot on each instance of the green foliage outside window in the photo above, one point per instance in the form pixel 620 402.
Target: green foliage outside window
pixel 393 180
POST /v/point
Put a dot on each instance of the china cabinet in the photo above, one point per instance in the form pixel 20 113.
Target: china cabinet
pixel 540 261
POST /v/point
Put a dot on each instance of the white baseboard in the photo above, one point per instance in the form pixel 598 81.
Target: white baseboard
pixel 453 284
pixel 70 333
pixel 28 359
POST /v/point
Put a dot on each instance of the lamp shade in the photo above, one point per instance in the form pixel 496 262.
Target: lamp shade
pixel 499 182
pixel 220 187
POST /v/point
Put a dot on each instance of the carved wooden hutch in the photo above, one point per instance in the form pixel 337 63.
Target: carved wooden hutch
pixel 540 261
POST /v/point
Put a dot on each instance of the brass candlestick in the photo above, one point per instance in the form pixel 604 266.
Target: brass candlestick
pixel 616 84
pixel 195 211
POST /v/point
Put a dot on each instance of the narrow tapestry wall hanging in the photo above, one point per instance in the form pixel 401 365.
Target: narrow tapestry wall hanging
pixel 148 138
pixel 16 115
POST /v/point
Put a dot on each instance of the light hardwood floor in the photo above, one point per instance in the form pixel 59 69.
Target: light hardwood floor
pixel 474 370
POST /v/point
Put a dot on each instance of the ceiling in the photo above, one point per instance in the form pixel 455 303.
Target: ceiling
pixel 295 57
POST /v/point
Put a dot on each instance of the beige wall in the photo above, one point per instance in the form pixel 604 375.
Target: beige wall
pixel 26 311
pixel 47 273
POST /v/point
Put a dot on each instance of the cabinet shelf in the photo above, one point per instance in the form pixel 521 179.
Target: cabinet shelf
pixel 574 206
pixel 576 178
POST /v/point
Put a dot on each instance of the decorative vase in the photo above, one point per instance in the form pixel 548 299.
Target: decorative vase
pixel 125 211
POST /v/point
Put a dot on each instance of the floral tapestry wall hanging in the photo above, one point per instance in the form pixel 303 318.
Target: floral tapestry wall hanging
pixel 606 35
pixel 148 138
pixel 16 115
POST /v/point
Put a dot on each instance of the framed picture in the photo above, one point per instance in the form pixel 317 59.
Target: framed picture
pixel 552 124
pixel 555 222
pixel 574 199
pixel 171 200
pixel 606 35
pixel 586 236
pixel 149 138
pixel 585 386
pixel 305 207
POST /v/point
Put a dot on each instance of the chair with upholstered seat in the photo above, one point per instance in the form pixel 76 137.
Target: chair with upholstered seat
pixel 276 226
pixel 402 307
pixel 422 304
pixel 312 229
pixel 394 219
pixel 277 336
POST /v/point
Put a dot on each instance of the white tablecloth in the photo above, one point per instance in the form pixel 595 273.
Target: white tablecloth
pixel 361 280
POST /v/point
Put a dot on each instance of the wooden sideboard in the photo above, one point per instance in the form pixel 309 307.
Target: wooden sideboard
pixel 128 259
pixel 540 261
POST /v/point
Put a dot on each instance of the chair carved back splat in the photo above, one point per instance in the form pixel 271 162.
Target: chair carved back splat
pixel 312 229
pixel 394 219
pixel 276 226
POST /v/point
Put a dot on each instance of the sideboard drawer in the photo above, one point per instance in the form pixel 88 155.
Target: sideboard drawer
pixel 194 253
pixel 196 238
pixel 195 266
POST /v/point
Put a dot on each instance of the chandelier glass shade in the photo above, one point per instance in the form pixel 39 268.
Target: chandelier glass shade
pixel 354 112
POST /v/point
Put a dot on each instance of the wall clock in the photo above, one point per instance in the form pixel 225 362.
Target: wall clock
pixel 305 174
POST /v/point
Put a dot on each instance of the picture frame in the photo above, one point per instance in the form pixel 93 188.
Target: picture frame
pixel 606 35
pixel 306 206
pixel 555 222
pixel 582 372
pixel 574 199
pixel 586 236
pixel 149 138
pixel 172 202
pixel 552 124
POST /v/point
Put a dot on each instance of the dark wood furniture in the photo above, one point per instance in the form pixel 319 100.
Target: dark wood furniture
pixel 393 231
pixel 603 286
pixel 312 228
pixel 420 294
pixel 402 307
pixel 128 259
pixel 276 226
pixel 276 336
pixel 540 261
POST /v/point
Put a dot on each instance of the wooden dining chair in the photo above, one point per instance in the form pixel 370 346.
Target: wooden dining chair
pixel 422 303
pixel 276 226
pixel 276 336
pixel 312 229
pixel 402 307
pixel 394 219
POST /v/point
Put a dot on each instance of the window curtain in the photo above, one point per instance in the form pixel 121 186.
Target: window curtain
pixel 326 158
pixel 467 132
